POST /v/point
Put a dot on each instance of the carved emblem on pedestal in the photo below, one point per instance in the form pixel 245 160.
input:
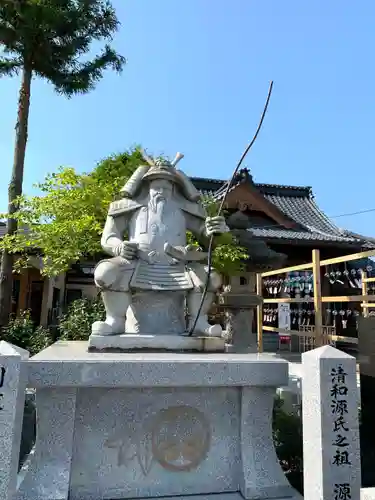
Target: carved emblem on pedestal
pixel 177 438
pixel 180 438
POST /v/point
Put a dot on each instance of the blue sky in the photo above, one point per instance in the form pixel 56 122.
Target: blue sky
pixel 197 76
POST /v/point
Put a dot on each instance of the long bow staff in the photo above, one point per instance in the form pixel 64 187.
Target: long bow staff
pixel 210 246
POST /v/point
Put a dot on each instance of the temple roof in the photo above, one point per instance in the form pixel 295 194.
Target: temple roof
pixel 296 203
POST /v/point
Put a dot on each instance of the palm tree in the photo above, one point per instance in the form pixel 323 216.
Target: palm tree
pixel 45 39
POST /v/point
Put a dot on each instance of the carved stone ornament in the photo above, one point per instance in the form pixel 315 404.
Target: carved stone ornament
pixel 178 438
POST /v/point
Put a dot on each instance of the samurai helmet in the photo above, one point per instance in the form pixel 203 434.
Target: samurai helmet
pixel 160 168
pixel 164 169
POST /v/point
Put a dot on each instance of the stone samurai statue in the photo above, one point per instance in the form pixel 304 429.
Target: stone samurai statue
pixel 153 275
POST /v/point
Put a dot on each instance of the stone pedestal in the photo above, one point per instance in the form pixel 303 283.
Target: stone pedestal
pixel 152 313
pixel 127 425
pixel 239 312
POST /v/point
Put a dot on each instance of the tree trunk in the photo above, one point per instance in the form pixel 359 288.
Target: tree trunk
pixel 15 190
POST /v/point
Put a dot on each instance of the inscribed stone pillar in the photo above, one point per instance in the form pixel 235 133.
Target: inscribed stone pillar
pixel 13 380
pixel 331 452
pixel 366 359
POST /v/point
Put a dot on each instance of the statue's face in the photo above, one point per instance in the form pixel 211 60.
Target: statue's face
pixel 161 189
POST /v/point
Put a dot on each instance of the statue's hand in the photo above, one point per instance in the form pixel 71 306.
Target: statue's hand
pixel 216 225
pixel 128 250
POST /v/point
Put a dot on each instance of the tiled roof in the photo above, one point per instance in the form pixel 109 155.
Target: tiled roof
pixel 305 211
pixel 370 242
pixel 218 186
pixel 207 186
pixel 296 202
pixel 287 234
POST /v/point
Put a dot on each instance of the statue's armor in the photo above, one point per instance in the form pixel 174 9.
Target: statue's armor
pixel 150 233
pixel 147 229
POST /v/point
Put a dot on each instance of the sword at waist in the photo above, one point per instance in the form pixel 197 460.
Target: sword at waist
pixel 183 254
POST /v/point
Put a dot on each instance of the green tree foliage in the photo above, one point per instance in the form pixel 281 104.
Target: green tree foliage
pixel 228 257
pixel 66 220
pixel 21 331
pixel 47 39
pixel 76 323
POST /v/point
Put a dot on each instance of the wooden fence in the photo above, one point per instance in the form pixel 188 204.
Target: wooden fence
pixel 320 331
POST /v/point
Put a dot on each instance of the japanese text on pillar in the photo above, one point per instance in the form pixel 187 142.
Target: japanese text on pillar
pixel 341 445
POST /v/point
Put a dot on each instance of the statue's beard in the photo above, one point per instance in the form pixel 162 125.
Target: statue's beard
pixel 158 205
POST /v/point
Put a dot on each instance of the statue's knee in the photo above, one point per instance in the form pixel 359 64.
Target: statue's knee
pixel 105 274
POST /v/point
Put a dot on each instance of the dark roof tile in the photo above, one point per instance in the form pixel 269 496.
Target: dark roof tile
pixel 287 234
pixel 212 186
pixel 305 211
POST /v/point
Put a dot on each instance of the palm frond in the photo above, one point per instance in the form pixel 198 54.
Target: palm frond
pixel 9 67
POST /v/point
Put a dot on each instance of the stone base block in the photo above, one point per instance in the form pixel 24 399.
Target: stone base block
pixel 135 342
pixel 150 425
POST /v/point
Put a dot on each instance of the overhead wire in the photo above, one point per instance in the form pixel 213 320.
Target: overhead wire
pixel 352 213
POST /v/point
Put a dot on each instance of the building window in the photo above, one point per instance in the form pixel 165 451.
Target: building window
pixel 73 294
pixel 243 280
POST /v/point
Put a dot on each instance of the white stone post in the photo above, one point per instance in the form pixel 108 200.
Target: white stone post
pixel 330 402
pixel 13 380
